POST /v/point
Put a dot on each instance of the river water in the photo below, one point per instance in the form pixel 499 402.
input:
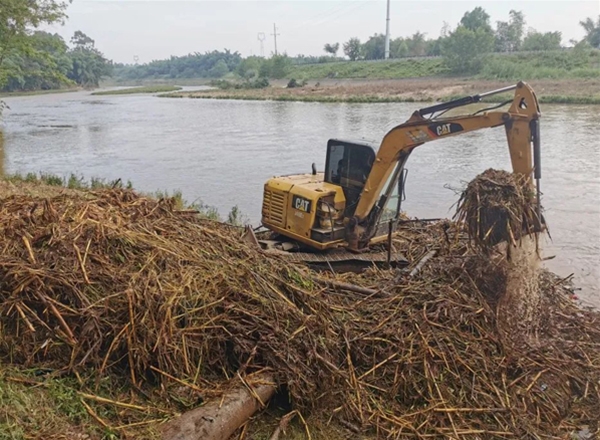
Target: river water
pixel 221 152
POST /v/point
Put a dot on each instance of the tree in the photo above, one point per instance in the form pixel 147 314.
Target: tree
pixel 398 48
pixel 417 46
pixel 275 67
pixel 537 41
pixel 250 67
pixel 509 34
pixel 332 48
pixel 464 49
pixel 374 48
pixel 82 41
pixel 592 30
pixel 195 65
pixel 434 47
pixel 352 48
pixel 477 19
pixel 18 19
pixel 219 70
pixel 89 64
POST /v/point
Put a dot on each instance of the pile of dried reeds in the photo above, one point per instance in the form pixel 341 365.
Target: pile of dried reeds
pixel 127 286
pixel 498 206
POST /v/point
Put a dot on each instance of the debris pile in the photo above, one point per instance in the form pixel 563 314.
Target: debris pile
pixel 127 286
pixel 496 207
pixel 499 212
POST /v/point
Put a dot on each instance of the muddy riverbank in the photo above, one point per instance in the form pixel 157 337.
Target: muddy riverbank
pixel 402 90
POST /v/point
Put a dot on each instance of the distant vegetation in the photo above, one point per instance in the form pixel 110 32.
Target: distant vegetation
pixel 474 47
pixel 580 62
pixel 213 64
pixel 396 68
pixel 43 61
pixel 574 63
pixel 34 60
pixel 134 90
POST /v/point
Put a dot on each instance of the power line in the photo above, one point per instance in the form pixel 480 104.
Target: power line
pixel 344 12
pixel 334 13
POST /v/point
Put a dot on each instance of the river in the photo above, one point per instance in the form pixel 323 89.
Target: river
pixel 221 152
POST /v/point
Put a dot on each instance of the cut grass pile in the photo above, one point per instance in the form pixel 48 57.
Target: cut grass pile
pixel 114 285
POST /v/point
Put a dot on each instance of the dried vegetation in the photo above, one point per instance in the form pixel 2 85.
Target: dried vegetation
pixel 121 286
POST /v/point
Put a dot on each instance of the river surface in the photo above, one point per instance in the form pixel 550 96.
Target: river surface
pixel 221 152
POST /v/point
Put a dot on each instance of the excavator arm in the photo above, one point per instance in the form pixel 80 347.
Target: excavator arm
pixel 521 122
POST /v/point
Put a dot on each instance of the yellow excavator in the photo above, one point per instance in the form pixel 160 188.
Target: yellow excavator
pixel 356 201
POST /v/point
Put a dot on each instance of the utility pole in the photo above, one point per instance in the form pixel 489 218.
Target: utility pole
pixel 387 32
pixel 275 37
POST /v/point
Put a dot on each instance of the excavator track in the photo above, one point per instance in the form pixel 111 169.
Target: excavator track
pixel 343 255
pixel 338 260
pixel 341 260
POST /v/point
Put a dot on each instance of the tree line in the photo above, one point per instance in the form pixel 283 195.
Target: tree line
pixel 35 60
pixel 462 47
pixel 214 64
pixel 32 60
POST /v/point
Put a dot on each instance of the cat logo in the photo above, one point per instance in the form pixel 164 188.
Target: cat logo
pixel 301 204
pixel 445 129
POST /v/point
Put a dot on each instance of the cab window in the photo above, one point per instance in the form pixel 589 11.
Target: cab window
pixel 348 165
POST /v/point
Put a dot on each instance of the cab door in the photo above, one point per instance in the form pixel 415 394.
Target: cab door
pixel 348 165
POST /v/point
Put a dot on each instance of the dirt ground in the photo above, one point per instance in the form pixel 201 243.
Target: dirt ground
pixel 418 89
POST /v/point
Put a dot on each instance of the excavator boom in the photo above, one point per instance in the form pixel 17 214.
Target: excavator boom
pixel 521 122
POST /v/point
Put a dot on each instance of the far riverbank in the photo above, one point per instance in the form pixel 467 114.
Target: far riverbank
pixel 565 91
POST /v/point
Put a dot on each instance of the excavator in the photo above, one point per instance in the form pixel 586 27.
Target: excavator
pixel 355 203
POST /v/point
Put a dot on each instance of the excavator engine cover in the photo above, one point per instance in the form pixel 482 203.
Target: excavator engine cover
pixel 305 208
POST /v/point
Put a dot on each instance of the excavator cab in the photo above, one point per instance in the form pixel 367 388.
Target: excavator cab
pixel 348 165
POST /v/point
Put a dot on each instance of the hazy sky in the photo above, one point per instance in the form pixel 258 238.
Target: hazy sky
pixel 159 28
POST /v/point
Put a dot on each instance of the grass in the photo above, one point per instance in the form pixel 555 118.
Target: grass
pixel 571 64
pixel 39 92
pixel 543 99
pixel 35 405
pixel 366 99
pixel 136 90
pixel 560 99
pixel 41 404
pixel 563 64
pixel 355 99
pixel 76 182
pixel 398 68
pixel 73 181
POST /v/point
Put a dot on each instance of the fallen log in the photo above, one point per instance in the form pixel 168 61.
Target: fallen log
pixel 218 420
pixel 421 263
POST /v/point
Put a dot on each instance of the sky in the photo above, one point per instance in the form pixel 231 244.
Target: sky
pixel 145 30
